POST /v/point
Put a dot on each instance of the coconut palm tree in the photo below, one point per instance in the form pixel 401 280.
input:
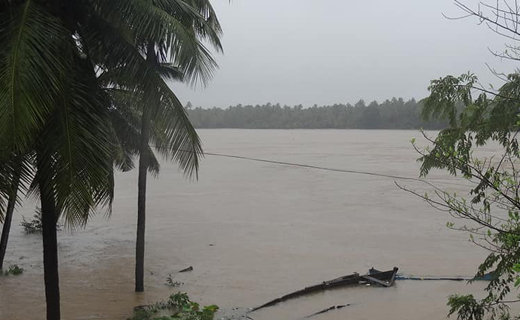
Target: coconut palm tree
pixel 57 60
pixel 45 109
pixel 180 55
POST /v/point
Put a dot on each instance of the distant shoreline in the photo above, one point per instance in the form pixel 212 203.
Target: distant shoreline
pixel 394 114
pixel 310 129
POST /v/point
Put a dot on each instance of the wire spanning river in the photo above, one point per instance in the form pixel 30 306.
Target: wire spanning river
pixel 253 231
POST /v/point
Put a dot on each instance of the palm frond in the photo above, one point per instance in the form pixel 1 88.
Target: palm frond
pixel 76 149
pixel 179 140
pixel 173 26
pixel 169 71
pixel 172 134
pixel 16 173
pixel 30 41
pixel 197 13
pixel 126 116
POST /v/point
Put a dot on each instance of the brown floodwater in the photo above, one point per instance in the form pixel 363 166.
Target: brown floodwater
pixel 253 231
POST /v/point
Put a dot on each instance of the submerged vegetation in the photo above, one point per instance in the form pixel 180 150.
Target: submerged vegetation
pixel 178 307
pixel 35 225
pixel 171 282
pixel 14 270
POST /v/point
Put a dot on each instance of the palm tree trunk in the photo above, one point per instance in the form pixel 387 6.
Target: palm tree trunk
pixel 50 244
pixel 141 202
pixel 9 214
pixel 141 187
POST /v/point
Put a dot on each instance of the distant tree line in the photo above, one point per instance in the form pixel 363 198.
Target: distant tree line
pixel 390 114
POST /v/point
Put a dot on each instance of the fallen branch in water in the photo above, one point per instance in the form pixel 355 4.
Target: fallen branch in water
pixel 352 279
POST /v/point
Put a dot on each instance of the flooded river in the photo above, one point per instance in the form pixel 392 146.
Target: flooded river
pixel 253 231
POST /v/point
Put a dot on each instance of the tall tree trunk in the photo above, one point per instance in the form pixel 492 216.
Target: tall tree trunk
pixel 50 244
pixel 141 201
pixel 9 213
pixel 141 185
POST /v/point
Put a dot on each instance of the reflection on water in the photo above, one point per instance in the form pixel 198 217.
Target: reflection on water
pixel 254 231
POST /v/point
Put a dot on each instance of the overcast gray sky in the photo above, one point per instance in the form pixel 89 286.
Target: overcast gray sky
pixel 338 51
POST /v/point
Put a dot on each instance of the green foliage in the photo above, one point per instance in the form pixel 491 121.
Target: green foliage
pixel 178 307
pixel 35 225
pixel 466 306
pixel 60 64
pixel 491 214
pixel 14 270
pixel 389 114
pixel 59 68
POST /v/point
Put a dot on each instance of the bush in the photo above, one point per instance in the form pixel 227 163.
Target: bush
pixel 35 225
pixel 178 307
pixel 14 270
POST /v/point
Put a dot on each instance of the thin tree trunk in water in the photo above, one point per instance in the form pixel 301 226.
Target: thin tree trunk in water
pixel 9 215
pixel 50 246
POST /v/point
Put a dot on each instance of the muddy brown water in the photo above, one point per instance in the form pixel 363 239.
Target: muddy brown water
pixel 254 231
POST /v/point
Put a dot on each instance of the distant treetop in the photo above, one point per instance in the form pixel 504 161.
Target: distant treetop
pixel 390 114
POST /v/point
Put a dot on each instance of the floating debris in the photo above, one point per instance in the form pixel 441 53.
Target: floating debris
pixel 382 278
pixel 328 309
pixel 190 268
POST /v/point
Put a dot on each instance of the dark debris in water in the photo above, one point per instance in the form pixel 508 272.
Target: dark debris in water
pixel 233 314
